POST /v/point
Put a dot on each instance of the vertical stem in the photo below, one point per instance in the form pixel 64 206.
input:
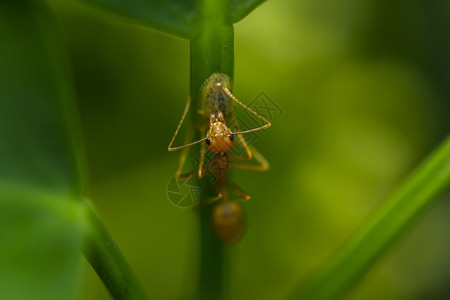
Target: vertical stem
pixel 211 52
pixel 212 47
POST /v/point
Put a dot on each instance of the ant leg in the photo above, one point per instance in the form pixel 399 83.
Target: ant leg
pixel 181 162
pixel 240 191
pixel 178 173
pixel 267 125
pixel 202 171
pixel 214 199
pixel 244 144
pixel 262 163
pixel 202 168
pixel 221 194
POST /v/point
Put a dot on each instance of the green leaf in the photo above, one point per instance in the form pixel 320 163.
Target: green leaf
pixel 177 17
pixel 40 238
pixel 105 258
pixel 170 16
pixel 37 134
pixel 41 223
pixel 411 199
pixel 240 9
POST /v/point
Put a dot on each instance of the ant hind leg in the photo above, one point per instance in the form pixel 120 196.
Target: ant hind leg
pixel 240 191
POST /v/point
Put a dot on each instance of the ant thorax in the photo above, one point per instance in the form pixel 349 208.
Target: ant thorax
pixel 219 137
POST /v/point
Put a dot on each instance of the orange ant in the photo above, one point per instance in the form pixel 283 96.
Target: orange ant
pixel 215 109
pixel 219 139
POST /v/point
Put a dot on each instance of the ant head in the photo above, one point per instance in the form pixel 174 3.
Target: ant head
pixel 219 137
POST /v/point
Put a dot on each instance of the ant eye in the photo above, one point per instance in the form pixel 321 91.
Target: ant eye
pixel 208 141
pixel 231 137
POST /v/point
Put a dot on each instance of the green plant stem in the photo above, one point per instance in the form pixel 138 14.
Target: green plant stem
pixel 424 185
pixel 211 52
pixel 105 258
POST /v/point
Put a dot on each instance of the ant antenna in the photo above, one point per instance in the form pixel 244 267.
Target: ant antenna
pixel 186 109
pixel 267 125
pixel 187 145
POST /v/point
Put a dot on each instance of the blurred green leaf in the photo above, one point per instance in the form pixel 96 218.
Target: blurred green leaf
pixel 105 258
pixel 41 223
pixel 37 145
pixel 240 9
pixel 402 209
pixel 175 17
pixel 40 238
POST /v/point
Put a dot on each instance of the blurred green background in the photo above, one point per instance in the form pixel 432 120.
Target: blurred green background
pixel 364 89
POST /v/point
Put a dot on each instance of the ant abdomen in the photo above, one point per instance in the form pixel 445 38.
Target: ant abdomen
pixel 228 219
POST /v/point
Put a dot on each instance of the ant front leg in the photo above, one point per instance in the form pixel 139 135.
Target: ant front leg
pixel 202 171
pixel 181 163
pixel 251 152
pixel 244 144
pixel 238 161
